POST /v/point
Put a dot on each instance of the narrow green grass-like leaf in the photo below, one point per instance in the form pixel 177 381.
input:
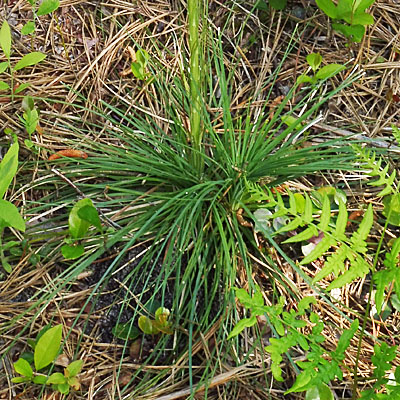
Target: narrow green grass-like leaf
pixel 29 59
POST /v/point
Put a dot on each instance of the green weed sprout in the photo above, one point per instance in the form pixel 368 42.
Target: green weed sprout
pixel 9 214
pixel 82 215
pixel 45 350
pixel 27 60
pixel 314 60
pixel 352 12
pixel 46 7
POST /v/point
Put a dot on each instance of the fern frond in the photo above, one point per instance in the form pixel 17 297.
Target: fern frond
pixel 368 158
pixel 396 133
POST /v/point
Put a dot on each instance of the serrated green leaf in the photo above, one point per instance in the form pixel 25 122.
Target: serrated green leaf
pixel 78 226
pixel 328 7
pixel 321 248
pixel 308 233
pixel 241 325
pixel 23 368
pixel 48 6
pixel 74 368
pixel 325 215
pixel 29 59
pixel 5 39
pixel 328 71
pixel 341 222
pixel 28 28
pixel 10 216
pixel 47 347
pixel 358 269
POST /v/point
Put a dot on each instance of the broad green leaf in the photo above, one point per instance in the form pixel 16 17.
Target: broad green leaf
pixel 145 324
pixel 303 79
pixel 56 378
pixel 138 70
pixel 328 7
pixel 320 392
pixel 363 19
pixel 344 10
pixel 90 214
pixel 40 380
pixel 361 5
pixel 4 85
pixel 47 347
pixel 392 209
pixel 21 87
pixel 142 57
pixel 314 60
pixel 3 66
pixel 8 168
pixel 162 315
pixel 241 325
pixel 5 39
pixel 63 388
pixel 329 70
pixel 78 226
pixel 29 59
pixel 74 368
pixel 28 28
pixel 71 252
pixel 277 4
pixel 125 331
pixel 301 381
pixel 23 368
pixel 10 216
pixel 20 379
pixel 48 6
pixel 353 32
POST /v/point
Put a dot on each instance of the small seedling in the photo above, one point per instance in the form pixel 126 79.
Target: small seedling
pixel 45 350
pixel 46 7
pixel 352 12
pixel 139 66
pixel 81 217
pixel 27 60
pixel 157 325
pixel 9 214
pixel 314 60
pixel 30 119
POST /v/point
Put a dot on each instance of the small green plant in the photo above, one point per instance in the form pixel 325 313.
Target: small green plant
pixel 82 215
pixel 46 347
pixel 159 324
pixel 30 119
pixel 383 388
pixel 321 366
pixel 352 12
pixel 27 60
pixel 45 7
pixel 314 60
pixel 9 214
pixel 139 66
